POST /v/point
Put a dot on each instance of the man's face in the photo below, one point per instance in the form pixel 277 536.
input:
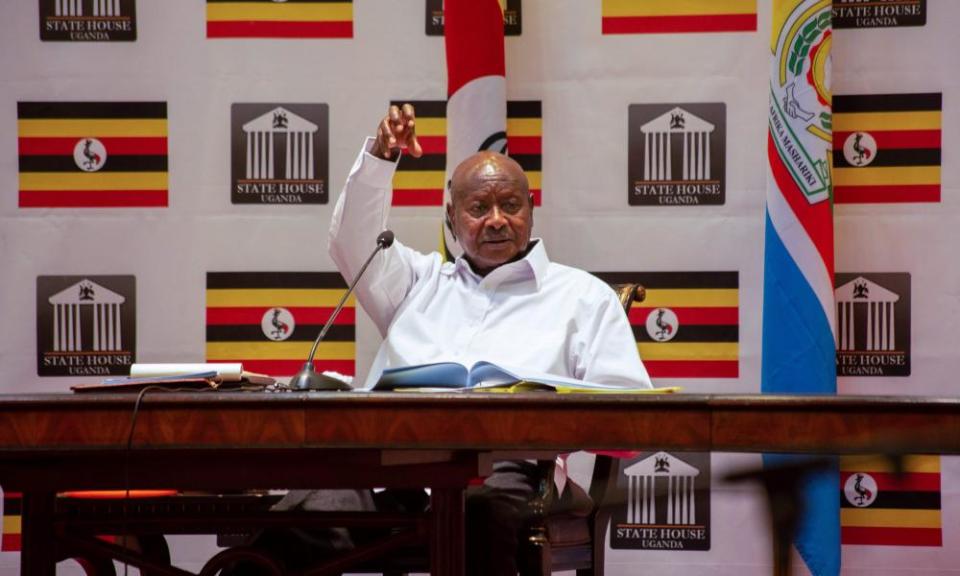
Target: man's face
pixel 491 210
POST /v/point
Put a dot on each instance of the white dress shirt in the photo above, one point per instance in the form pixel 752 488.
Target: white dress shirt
pixel 531 314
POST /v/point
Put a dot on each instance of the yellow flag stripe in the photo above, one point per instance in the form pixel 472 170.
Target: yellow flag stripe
pixel 434 179
pixel 615 8
pixel 431 126
pixel 889 518
pixel 916 463
pixel 245 11
pixel 95 128
pixel 320 297
pixel 11 525
pixel 278 350
pixel 694 297
pixel 418 179
pixel 688 350
pixel 866 121
pixel 886 175
pixel 93 181
pixel 524 126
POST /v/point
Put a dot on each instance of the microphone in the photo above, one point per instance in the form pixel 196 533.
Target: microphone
pixel 307 378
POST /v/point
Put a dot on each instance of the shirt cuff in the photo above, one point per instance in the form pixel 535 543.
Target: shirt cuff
pixel 375 171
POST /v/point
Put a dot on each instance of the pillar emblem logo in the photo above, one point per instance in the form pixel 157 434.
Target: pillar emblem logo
pixel 676 154
pixel 873 324
pixel 85 325
pixel 280 153
pixel 88 20
pixel 666 503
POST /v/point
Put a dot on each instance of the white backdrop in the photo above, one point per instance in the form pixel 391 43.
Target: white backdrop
pixel 586 82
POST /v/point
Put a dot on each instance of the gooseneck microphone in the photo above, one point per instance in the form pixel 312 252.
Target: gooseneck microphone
pixel 308 378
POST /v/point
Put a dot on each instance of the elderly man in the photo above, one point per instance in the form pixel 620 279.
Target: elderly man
pixel 503 301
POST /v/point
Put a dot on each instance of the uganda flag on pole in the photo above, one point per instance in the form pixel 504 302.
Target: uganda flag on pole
pixel 92 154
pixel 420 181
pixel 882 507
pixel 688 326
pixel 269 320
pixel 677 16
pixel 10 540
pixel 886 148
pixel 272 19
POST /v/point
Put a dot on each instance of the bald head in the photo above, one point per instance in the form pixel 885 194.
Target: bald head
pixel 485 167
pixel 490 210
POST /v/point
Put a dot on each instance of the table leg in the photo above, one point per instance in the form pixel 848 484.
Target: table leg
pixel 447 532
pixel 38 556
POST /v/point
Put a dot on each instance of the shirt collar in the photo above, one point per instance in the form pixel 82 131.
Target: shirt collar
pixel 532 266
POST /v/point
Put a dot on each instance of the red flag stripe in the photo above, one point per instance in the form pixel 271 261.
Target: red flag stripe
pixel 474 41
pixel 7 495
pixel 692 368
pixel 418 197
pixel 908 482
pixel 663 24
pixel 524 144
pixel 291 367
pixel 891 536
pixel 892 139
pixel 268 29
pixel 816 219
pixel 114 146
pixel 686 315
pixel 433 144
pixel 10 543
pixel 254 315
pixel 886 194
pixel 93 199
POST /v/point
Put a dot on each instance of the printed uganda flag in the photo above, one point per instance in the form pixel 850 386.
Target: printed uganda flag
pixel 886 148
pixel 269 320
pixel 272 19
pixel 882 506
pixel 799 326
pixel 673 16
pixel 92 154
pixel 12 530
pixel 420 181
pixel 688 324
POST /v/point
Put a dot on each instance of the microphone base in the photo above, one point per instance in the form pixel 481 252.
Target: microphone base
pixel 308 379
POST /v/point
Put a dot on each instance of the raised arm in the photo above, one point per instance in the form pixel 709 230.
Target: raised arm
pixel 361 213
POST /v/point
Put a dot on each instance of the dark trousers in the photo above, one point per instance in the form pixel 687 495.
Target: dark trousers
pixel 496 516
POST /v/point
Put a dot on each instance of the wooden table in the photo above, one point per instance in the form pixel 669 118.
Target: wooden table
pixel 231 441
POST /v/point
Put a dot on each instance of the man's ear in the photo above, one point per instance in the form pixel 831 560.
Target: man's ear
pixel 453 231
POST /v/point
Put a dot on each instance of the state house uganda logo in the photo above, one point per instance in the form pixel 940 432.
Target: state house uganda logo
pixel 879 13
pixel 888 503
pixel 873 324
pixel 676 154
pixel 280 153
pixel 800 114
pixel 666 503
pixel 88 20
pixel 512 22
pixel 86 325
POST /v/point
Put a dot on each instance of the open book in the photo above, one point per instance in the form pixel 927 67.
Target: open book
pixel 488 376
pixel 209 375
